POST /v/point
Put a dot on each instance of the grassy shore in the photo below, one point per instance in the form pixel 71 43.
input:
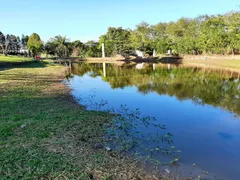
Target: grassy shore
pixel 44 134
pixel 212 63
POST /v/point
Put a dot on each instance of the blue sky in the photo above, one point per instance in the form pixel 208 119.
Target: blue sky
pixel 88 19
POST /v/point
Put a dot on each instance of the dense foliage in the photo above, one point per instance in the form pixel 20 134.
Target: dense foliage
pixel 59 46
pixel 215 34
pixel 11 44
pixel 219 34
pixel 34 44
pixel 117 41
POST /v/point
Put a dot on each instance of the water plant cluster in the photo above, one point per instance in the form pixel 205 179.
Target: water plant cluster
pixel 124 133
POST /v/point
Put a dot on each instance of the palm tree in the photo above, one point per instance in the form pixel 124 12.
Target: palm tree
pixel 62 44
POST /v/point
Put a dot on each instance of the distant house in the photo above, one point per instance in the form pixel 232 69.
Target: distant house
pixel 23 50
pixel 140 53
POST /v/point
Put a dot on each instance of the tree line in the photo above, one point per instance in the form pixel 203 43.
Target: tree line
pixel 58 46
pixel 205 34
pixel 11 44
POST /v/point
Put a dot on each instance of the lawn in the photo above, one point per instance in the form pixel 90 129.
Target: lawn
pixel 219 64
pixel 45 134
pixel 14 59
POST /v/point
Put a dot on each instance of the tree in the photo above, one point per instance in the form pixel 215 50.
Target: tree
pixel 60 46
pixel 142 37
pixel 182 35
pixel 77 44
pixel 213 35
pixel 93 49
pixel 9 44
pixel 63 46
pixel 161 41
pixel 232 21
pixel 2 42
pixel 78 48
pixel 24 41
pixel 50 48
pixel 116 40
pixel 35 45
pixel 14 44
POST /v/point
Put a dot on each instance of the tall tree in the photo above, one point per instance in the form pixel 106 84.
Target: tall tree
pixel 116 40
pixel 142 37
pixel 50 48
pixel 9 44
pixel 232 20
pixel 24 41
pixel 213 35
pixel 161 40
pixel 93 49
pixel 2 41
pixel 35 45
pixel 78 48
pixel 182 35
pixel 63 46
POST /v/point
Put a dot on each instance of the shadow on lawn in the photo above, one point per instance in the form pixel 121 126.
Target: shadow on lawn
pixel 27 64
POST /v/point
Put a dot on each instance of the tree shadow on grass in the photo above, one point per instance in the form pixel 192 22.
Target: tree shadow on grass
pixel 28 64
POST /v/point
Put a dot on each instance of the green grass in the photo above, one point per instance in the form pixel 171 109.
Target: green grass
pixel 14 59
pixel 217 64
pixel 45 134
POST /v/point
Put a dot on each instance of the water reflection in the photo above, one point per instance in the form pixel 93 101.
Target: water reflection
pixel 183 83
pixel 104 70
pixel 197 107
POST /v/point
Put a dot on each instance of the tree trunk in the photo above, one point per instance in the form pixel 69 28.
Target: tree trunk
pixel 5 52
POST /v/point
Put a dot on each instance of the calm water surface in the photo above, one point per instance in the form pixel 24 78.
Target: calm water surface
pixel 200 109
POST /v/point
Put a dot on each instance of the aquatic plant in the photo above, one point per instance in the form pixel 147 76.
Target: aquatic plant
pixel 123 133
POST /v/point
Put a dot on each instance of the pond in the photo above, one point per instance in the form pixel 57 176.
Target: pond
pixel 200 108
